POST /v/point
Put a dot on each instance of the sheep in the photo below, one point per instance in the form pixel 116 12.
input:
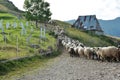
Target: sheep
pixel 81 51
pixel 108 53
pixel 71 51
pixel 62 32
pixel 76 51
pixel 63 42
pixel 95 55
pixel 81 44
pixel 74 47
pixel 88 52
pixel 67 45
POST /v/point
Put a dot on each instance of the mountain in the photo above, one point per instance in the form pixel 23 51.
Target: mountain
pixel 9 7
pixel 110 27
pixel 71 21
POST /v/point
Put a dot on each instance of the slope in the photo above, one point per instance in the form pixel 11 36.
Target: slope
pixel 12 28
pixel 9 7
pixel 88 38
pixel 110 27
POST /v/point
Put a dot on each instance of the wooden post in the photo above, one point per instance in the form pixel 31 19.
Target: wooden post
pixel 27 24
pixel 7 25
pixel 44 32
pixel 17 46
pixel 41 36
pixel 34 48
pixel 5 41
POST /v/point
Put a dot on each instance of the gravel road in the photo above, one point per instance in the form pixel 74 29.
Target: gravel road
pixel 65 67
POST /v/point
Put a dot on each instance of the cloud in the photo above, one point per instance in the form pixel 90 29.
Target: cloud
pixel 71 9
pixel 109 10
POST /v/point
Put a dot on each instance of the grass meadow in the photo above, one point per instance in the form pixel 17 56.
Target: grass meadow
pixel 16 38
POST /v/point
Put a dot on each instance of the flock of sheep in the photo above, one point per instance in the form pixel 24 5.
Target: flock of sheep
pixel 76 48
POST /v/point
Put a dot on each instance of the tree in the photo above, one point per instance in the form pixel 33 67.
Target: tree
pixel 37 10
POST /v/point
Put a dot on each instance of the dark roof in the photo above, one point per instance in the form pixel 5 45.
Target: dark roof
pixel 87 22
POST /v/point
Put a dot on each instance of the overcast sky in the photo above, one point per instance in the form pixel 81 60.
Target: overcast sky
pixel 71 9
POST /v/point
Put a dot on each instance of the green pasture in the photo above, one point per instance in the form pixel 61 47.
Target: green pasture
pixel 8 45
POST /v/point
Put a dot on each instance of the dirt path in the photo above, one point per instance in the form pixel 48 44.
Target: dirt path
pixel 73 68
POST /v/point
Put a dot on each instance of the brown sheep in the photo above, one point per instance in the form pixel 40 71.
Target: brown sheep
pixel 108 53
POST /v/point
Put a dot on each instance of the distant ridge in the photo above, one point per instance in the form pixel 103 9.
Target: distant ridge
pixel 9 7
pixel 111 27
pixel 71 21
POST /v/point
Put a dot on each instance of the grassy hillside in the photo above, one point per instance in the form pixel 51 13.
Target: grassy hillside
pixel 16 43
pixel 8 47
pixel 110 27
pixel 12 39
pixel 63 24
pixel 87 38
pixel 7 16
pixel 8 7
pixel 3 8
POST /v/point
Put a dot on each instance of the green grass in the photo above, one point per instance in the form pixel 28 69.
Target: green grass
pixel 6 16
pixel 7 4
pixel 24 48
pixel 89 39
pixel 8 49
pixel 18 67
pixel 62 24
pixel 3 8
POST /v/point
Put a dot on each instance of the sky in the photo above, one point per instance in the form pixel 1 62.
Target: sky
pixel 70 9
